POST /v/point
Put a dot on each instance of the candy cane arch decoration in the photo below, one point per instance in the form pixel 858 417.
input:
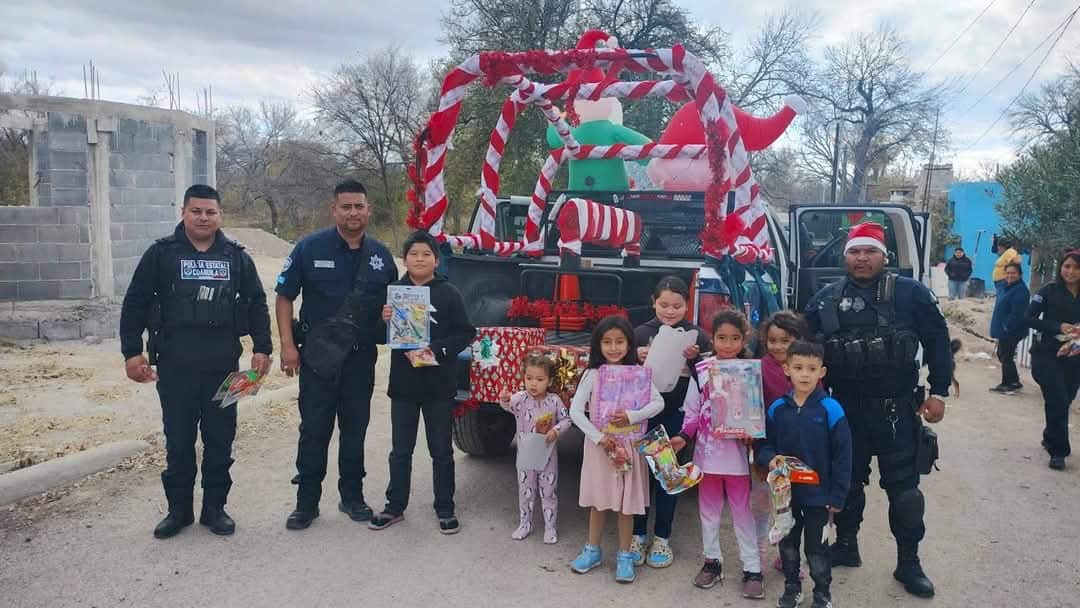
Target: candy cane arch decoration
pixel 689 79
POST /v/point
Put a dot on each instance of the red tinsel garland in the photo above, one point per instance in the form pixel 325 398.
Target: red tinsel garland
pixel 524 308
pixel 416 178
pixel 464 407
pixel 714 236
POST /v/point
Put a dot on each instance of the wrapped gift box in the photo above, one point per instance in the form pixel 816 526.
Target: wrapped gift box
pixel 570 363
pixel 496 360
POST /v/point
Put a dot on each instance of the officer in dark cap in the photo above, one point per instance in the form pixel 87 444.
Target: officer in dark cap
pixel 872 323
pixel 196 292
pixel 341 273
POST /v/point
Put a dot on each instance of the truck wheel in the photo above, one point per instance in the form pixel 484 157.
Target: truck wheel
pixel 486 431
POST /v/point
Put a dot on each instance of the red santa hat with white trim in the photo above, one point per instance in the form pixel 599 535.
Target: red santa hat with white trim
pixel 867 234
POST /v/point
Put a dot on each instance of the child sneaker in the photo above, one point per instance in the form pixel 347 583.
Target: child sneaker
pixel 624 567
pixel 588 559
pixel 711 573
pixel 791 597
pixel 637 548
pixel 821 601
pixel 753 585
pixel 660 555
pixel 551 536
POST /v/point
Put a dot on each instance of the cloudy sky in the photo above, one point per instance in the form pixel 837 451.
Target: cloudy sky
pixel 250 50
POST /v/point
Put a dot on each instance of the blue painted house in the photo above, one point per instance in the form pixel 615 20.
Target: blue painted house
pixel 976 221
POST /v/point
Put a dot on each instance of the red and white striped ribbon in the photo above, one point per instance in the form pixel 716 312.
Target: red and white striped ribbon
pixel 583 221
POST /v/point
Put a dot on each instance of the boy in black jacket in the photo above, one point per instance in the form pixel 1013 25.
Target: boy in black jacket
pixel 809 425
pixel 425 389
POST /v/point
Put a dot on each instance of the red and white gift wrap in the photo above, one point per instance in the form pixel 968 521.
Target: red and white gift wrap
pixel 690 79
pixel 512 343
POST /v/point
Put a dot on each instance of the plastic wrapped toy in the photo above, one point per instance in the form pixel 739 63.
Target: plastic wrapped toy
pixel 789 470
pixel 237 385
pixel 735 399
pixel 674 479
pixel 620 388
pixel 410 322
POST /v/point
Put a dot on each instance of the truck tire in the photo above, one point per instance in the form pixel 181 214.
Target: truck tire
pixel 486 431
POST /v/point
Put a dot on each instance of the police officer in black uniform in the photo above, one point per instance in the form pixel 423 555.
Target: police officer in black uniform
pixel 196 292
pixel 872 323
pixel 343 273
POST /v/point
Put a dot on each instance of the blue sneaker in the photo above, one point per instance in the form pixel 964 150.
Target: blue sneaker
pixel 624 567
pixel 588 559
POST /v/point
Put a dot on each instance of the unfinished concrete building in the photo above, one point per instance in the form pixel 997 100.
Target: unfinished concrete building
pixel 106 179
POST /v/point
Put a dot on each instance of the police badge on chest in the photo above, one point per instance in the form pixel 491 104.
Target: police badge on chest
pixel 205 270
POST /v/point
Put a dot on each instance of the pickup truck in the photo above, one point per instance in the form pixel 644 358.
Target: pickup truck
pixel 808 256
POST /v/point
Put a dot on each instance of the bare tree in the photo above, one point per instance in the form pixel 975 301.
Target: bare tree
pixel 775 63
pixel 266 156
pixel 886 107
pixel 370 111
pixel 1050 112
pixel 471 26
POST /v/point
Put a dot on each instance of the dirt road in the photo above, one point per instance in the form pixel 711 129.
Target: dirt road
pixel 1002 532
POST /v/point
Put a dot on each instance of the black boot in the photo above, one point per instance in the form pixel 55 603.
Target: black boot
pixel 176 520
pixel 845 551
pixel 301 518
pixel 215 518
pixel 909 571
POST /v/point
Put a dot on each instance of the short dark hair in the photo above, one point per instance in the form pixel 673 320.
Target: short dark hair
pixel 790 321
pixel 201 191
pixel 420 237
pixel 673 284
pixel 960 249
pixel 349 185
pixel 608 323
pixel 1018 267
pixel 806 348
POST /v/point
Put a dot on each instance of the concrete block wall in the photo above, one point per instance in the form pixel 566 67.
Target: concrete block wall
pixel 45 253
pixel 109 178
pixel 142 191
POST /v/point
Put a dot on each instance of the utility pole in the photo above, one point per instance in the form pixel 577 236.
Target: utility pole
pixel 930 167
pixel 835 160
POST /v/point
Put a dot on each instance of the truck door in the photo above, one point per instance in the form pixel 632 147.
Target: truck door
pixel 819 232
pixel 922 236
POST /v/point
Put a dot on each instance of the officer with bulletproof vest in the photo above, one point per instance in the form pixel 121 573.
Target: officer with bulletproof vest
pixel 872 323
pixel 342 273
pixel 195 292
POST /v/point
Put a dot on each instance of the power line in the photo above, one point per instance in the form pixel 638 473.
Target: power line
pixel 1000 44
pixel 1063 27
pixel 961 35
pixel 1016 67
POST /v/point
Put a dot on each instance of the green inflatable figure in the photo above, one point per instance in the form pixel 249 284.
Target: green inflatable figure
pixel 600 125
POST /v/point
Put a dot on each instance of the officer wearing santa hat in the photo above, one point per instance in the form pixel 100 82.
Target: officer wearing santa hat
pixel 872 323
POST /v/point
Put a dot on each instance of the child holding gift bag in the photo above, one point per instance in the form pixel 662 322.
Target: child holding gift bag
pixel 670 303
pixel 538 411
pixel 607 484
pixel 724 463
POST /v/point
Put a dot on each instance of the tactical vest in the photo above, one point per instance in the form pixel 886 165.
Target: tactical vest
pixel 204 289
pixel 865 347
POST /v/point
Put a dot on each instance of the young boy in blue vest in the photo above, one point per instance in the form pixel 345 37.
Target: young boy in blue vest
pixel 809 425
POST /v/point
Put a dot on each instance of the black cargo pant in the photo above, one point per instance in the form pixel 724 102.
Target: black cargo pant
pixel 347 398
pixel 1059 379
pixel 809 524
pixel 888 429
pixel 186 408
pixel 438 426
